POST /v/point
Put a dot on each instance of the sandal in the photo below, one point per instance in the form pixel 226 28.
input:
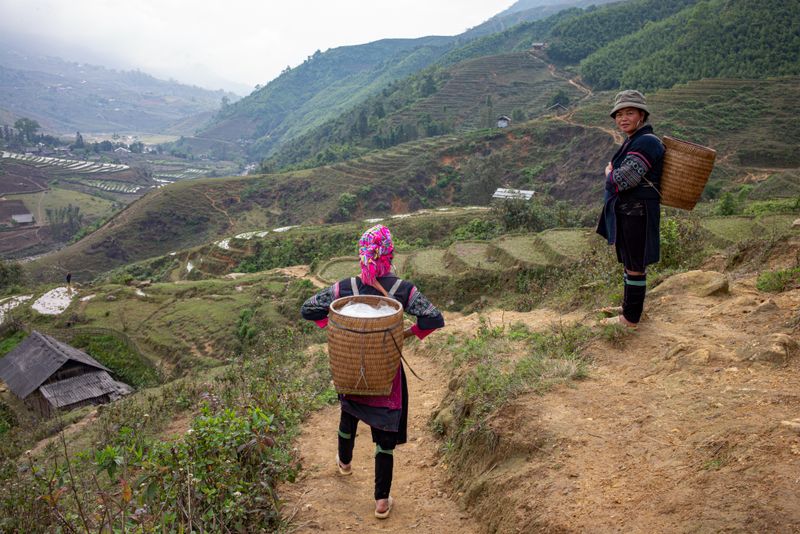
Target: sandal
pixel 385 514
pixel 344 471
pixel 617 320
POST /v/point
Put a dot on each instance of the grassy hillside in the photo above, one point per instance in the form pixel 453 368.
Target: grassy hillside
pixel 555 156
pixel 466 96
pixel 333 82
pixel 748 122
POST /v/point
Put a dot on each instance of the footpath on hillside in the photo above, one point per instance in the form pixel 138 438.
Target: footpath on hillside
pixel 690 424
pixel 323 501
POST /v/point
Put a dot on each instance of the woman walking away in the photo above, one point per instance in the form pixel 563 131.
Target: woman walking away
pixel 632 212
pixel 386 416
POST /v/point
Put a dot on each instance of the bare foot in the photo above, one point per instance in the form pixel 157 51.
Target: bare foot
pixel 344 469
pixel 383 507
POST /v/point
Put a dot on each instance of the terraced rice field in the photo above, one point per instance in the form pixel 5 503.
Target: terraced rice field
pixel 476 255
pixel 186 174
pixel 571 243
pixel 114 187
pixel 430 262
pixel 67 165
pixel 339 268
pixel 527 249
pixel 779 222
pixel 732 229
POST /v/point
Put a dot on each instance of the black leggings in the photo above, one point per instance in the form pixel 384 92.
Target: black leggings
pixel 384 452
pixel 631 239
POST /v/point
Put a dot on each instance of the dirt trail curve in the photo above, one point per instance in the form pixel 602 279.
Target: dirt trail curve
pixel 587 92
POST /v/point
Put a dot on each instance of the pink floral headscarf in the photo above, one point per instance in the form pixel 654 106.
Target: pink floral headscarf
pixel 375 252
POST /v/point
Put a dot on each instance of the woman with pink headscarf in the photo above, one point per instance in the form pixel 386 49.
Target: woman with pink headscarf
pixel 387 416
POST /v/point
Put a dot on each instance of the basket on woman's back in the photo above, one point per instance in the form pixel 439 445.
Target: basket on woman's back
pixel 687 167
pixel 364 352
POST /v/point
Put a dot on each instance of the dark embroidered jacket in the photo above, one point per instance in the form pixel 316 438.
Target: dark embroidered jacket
pixel 632 187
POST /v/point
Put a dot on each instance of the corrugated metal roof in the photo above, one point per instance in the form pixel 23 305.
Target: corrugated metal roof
pixel 513 193
pixel 79 388
pixel 35 360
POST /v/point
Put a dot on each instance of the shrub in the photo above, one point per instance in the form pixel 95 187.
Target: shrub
pixel 125 362
pixel 779 281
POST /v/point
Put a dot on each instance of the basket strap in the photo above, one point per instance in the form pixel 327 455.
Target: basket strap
pixel 354 286
pixel 403 357
pixel 395 287
pixel 644 177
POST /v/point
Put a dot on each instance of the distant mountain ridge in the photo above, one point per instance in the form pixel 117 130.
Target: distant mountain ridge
pixel 65 97
pixel 332 82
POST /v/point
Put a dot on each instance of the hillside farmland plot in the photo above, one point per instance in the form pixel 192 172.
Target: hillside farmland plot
pixel 66 165
pixel 475 255
pixel 430 262
pixel 527 249
pixel 568 242
pixel 731 229
pixel 339 268
pixel 113 186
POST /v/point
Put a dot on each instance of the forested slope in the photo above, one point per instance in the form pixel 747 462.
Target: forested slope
pixel 714 38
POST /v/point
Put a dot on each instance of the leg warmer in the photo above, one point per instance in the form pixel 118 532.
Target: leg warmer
pixel 633 300
pixel 347 437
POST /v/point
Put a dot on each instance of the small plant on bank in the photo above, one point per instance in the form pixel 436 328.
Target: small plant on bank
pixel 779 281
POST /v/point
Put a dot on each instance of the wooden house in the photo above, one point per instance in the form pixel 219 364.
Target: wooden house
pixel 49 376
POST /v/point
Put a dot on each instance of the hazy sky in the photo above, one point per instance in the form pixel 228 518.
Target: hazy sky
pixel 219 44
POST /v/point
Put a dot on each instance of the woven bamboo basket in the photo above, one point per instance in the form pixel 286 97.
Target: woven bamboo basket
pixel 687 167
pixel 364 352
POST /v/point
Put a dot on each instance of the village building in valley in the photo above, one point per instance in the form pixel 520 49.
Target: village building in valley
pixel 49 376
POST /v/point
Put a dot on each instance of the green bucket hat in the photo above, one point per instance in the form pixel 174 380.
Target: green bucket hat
pixel 629 98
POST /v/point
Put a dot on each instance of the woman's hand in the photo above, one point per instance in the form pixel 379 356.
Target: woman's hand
pixel 609 168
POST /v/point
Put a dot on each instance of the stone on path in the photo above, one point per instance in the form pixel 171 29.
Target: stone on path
pixel 775 348
pixel 697 283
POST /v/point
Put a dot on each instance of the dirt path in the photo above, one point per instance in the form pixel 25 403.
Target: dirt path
pixel 322 501
pixel 676 431
pixel 231 222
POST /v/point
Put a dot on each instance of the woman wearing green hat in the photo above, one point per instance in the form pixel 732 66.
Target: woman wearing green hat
pixel 631 211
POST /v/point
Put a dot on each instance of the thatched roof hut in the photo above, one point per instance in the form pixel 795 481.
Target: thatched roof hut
pixel 49 375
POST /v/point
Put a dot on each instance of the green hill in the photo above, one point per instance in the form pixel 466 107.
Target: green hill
pixel 332 82
pixel 550 155
pixel 466 96
pixel 714 38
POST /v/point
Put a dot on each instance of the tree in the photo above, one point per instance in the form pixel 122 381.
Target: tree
pixel 78 141
pixel 11 274
pixel 27 128
pixel 560 97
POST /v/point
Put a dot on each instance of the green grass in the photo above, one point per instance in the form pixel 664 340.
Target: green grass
pixel 11 340
pixel 336 270
pixel 430 262
pixel 572 243
pixel 778 281
pixel 91 206
pixel 526 249
pixel 475 255
pixel 731 229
